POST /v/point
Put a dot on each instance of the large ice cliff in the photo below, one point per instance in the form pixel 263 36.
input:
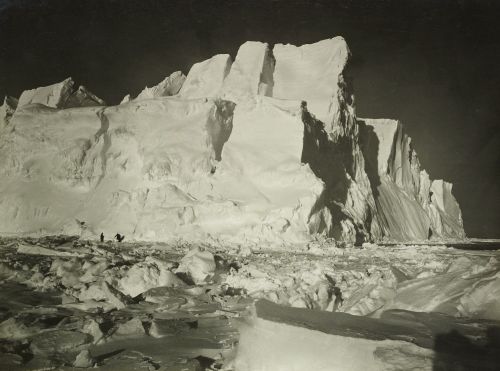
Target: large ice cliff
pixel 263 148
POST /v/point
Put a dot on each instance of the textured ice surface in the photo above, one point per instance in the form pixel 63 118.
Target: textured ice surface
pixel 410 206
pixel 352 307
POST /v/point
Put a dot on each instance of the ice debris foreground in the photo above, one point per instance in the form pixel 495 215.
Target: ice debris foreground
pixel 133 305
pixel 263 148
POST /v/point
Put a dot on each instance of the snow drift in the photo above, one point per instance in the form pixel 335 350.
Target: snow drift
pixel 267 147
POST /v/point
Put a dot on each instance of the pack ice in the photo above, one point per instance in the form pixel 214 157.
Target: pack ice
pixel 263 148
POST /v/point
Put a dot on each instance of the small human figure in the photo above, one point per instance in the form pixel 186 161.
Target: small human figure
pixel 102 237
pixel 119 237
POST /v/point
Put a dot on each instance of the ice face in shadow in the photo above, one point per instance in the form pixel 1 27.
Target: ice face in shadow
pixel 409 205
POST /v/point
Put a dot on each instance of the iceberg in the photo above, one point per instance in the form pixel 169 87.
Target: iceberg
pixel 267 147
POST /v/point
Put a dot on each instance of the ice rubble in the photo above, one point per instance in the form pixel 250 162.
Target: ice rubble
pixel 198 264
pixel 267 147
pixel 70 317
pixel 163 291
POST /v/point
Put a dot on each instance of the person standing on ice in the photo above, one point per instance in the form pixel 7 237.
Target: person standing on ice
pixel 102 237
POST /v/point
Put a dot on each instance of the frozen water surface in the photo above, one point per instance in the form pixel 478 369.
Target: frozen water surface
pixel 182 306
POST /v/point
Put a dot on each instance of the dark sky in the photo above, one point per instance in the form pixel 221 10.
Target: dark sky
pixel 433 64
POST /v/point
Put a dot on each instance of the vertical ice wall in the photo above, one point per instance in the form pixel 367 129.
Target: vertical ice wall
pixel 409 205
pixel 251 73
pixel 317 74
pixel 205 79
